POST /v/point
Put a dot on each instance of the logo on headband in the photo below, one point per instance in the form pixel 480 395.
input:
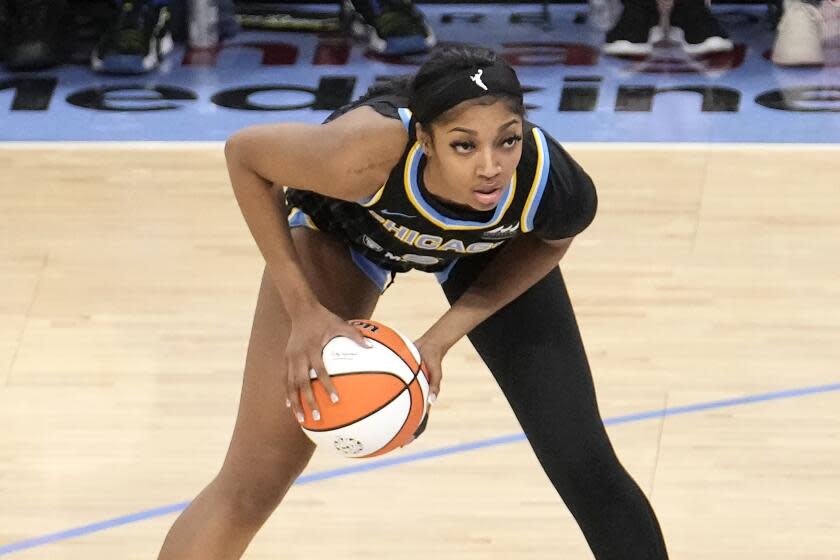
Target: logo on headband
pixel 477 79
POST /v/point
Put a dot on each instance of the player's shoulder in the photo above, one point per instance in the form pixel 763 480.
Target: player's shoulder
pixel 365 134
pixel 537 146
pixel 540 148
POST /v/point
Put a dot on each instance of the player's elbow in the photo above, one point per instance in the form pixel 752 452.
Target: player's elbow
pixel 234 147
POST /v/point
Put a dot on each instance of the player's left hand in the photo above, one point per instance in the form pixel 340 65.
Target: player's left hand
pixel 431 354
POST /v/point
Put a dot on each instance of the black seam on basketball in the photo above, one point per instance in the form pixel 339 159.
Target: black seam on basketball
pixel 371 413
pixel 397 354
pixel 390 441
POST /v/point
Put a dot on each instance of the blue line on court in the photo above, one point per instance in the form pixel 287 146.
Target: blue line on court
pixel 414 457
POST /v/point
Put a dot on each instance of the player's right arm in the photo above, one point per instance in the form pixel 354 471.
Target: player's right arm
pixel 348 158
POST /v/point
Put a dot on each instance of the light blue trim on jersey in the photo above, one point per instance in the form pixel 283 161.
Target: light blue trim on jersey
pixel 405 115
pixel 380 277
pixel 299 219
pixel 443 275
pixel 540 180
pixel 415 196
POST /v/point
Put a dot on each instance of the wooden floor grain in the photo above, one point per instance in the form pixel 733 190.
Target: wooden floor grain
pixel 129 279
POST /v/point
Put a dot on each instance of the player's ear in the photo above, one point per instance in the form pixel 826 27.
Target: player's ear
pixel 425 138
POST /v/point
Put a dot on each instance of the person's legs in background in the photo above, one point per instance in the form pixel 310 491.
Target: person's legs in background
pixel 636 30
pixel 697 29
pixel 692 25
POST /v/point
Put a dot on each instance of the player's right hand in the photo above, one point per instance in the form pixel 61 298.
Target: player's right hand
pixel 310 332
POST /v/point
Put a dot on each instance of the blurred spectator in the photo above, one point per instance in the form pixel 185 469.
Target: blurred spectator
pixel 138 34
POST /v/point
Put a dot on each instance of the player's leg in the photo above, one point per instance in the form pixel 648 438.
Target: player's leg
pixel 534 350
pixel 268 450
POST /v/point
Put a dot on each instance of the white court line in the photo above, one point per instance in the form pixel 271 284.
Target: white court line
pixel 116 145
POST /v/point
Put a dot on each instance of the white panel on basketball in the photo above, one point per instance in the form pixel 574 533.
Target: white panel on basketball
pixel 343 355
pixel 424 387
pixel 372 433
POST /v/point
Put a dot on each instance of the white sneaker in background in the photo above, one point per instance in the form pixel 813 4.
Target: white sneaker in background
pixel 604 14
pixel 799 36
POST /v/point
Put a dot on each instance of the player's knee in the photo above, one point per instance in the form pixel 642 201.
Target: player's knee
pixel 253 495
pixel 252 499
pixel 584 471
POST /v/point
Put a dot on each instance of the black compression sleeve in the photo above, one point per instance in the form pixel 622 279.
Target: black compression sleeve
pixel 534 350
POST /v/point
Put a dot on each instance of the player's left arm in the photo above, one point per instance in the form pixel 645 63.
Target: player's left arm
pixel 567 208
pixel 520 264
pixel 497 285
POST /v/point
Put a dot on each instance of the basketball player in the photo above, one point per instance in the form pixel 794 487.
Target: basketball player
pixel 440 173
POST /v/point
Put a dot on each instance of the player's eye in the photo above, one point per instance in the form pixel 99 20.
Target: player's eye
pixel 511 141
pixel 462 147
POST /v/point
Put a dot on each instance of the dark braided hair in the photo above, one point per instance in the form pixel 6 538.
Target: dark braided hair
pixel 443 60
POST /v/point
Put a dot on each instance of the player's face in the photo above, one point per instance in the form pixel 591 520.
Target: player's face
pixel 474 154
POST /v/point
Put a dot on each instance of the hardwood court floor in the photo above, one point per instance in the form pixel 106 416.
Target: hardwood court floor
pixel 129 278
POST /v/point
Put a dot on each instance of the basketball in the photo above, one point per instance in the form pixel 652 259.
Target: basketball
pixel 383 394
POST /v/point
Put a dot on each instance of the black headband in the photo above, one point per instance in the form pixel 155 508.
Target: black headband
pixel 437 96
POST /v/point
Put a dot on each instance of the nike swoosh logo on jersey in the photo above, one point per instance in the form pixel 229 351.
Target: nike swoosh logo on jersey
pixel 389 213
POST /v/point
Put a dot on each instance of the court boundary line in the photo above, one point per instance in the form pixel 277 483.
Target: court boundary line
pixel 420 456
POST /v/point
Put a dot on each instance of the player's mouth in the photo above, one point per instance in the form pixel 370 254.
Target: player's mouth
pixel 488 194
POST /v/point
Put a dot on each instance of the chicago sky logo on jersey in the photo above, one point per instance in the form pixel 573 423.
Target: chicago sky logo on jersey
pixel 431 242
pixel 501 232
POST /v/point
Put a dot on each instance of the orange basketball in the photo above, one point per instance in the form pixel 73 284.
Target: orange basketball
pixel 383 393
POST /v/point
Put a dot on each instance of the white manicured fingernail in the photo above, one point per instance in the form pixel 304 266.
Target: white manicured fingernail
pixel 333 398
pixel 432 398
pixel 316 415
pixel 300 417
pixel 288 403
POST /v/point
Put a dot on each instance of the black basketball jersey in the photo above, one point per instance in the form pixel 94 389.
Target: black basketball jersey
pixel 402 226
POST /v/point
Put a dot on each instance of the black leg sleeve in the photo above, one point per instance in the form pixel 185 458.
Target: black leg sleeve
pixel 534 350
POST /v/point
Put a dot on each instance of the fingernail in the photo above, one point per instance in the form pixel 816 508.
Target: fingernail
pixel 368 344
pixel 432 398
pixel 300 417
pixel 316 415
pixel 333 398
pixel 288 403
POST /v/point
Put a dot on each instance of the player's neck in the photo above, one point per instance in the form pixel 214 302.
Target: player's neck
pixel 434 183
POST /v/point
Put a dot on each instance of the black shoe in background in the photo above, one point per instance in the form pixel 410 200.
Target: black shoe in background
pixel 694 26
pixel 391 27
pixel 636 30
pixel 35 33
pixel 4 29
pixel 137 41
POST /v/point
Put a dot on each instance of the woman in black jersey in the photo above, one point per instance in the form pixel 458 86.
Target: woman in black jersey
pixel 442 173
